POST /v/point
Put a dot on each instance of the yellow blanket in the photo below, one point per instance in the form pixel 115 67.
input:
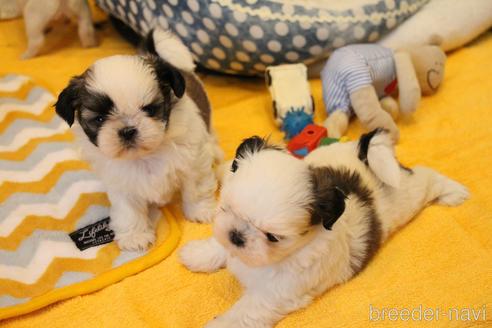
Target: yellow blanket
pixel 442 259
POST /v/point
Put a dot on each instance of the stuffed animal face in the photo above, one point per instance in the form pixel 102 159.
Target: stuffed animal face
pixel 429 62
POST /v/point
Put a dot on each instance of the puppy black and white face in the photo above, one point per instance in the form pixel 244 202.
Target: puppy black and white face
pixel 123 103
pixel 269 205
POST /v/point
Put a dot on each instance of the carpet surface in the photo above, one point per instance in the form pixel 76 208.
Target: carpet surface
pixel 442 259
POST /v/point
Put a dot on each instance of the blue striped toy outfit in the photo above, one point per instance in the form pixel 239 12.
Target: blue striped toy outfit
pixel 353 67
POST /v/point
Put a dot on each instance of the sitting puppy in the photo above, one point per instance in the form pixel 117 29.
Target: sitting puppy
pixel 144 124
pixel 289 229
pixel 39 14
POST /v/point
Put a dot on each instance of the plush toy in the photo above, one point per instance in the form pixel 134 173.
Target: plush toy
pixel 456 22
pixel 362 79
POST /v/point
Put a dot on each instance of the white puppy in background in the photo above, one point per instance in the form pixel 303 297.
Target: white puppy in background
pixel 38 14
pixel 290 229
pixel 144 124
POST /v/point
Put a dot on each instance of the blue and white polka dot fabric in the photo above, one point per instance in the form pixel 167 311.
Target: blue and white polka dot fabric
pixel 245 36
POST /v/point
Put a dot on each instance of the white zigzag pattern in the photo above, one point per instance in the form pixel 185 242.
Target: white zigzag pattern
pixel 46 252
pixel 266 13
pixel 14 83
pixel 41 169
pixel 36 108
pixel 57 211
pixel 24 136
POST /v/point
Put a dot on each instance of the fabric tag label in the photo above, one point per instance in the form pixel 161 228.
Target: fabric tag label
pixel 92 235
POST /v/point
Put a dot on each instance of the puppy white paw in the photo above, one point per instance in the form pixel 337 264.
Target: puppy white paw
pixel 453 193
pixel 136 241
pixel 202 211
pixel 201 256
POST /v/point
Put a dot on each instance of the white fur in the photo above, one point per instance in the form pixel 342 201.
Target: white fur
pixel 178 156
pixel 39 14
pixel 337 124
pixel 269 191
pixel 454 22
pixel 381 159
pixel 9 9
pixel 180 57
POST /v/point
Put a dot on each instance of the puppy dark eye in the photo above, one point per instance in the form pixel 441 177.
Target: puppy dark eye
pixel 98 119
pixel 271 237
pixel 151 109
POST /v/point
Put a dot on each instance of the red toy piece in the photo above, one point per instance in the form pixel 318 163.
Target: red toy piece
pixel 307 140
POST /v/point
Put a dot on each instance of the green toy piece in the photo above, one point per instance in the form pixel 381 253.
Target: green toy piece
pixel 328 141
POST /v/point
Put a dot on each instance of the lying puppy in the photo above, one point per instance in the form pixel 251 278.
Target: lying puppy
pixel 39 14
pixel 290 229
pixel 144 124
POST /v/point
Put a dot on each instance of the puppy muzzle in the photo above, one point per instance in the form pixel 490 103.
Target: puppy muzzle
pixel 128 135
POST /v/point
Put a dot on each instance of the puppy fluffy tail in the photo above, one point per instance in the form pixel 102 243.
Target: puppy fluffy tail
pixel 170 48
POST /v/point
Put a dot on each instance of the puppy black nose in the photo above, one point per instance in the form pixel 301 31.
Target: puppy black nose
pixel 127 133
pixel 236 238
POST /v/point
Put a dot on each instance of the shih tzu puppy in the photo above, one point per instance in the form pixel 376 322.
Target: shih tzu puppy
pixel 290 229
pixel 143 123
pixel 38 15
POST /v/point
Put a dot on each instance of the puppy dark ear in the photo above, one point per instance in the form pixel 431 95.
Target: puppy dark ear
pixel 67 102
pixel 168 75
pixel 329 203
pixel 251 145
pixel 178 83
pixel 149 43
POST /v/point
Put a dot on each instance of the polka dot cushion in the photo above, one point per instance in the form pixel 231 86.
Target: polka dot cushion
pixel 245 36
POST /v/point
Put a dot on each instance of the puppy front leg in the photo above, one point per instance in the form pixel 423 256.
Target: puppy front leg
pixel 198 194
pixel 37 15
pixel 87 34
pixel 258 310
pixel 203 255
pixel 130 222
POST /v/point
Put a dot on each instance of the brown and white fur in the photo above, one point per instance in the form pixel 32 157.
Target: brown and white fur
pixel 290 229
pixel 143 122
pixel 38 14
